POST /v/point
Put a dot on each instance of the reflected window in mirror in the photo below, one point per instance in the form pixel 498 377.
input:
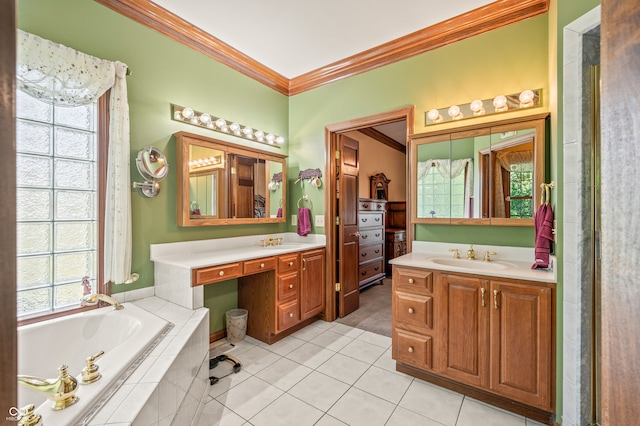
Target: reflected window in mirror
pixel 222 183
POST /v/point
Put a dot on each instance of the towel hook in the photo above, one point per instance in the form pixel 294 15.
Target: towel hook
pixel 544 196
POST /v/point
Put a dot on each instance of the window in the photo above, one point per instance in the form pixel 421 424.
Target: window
pixel 440 196
pixel 521 190
pixel 58 205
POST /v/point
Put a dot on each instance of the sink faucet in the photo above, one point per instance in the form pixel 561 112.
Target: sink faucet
pixel 488 254
pixel 93 299
pixel 456 253
pixel 62 390
pixel 471 254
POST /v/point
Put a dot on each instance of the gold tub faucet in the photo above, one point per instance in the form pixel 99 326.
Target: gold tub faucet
pixel 62 390
pixel 93 299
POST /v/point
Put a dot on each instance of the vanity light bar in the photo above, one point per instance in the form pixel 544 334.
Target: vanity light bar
pixel 499 104
pixel 217 124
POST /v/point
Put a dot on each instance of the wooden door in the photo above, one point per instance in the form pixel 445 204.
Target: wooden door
pixel 466 329
pixel 521 346
pixel 312 284
pixel 348 235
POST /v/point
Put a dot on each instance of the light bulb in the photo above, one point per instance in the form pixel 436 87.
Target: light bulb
pixel 259 134
pixel 221 122
pixel 247 131
pixel 500 103
pixel 434 115
pixel 280 140
pixel 187 113
pixel 526 98
pixel 477 107
pixel 234 127
pixel 271 137
pixel 205 119
pixel 454 112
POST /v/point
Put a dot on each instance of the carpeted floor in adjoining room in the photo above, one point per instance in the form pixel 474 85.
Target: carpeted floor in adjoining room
pixel 374 314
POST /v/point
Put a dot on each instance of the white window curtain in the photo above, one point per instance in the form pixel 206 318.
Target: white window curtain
pixel 58 74
pixel 451 169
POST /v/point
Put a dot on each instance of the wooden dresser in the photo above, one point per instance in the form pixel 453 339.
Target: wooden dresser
pixel 395 231
pixel 371 225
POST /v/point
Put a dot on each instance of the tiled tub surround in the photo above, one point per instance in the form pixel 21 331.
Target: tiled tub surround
pixel 518 260
pixel 173 262
pixel 169 385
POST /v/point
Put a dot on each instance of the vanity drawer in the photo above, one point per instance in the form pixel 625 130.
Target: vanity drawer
pixel 259 265
pixel 370 205
pixel 413 309
pixel 216 273
pixel 288 315
pixel 370 269
pixel 288 263
pixel 368 220
pixel 287 286
pixel 370 252
pixel 418 281
pixel 412 348
pixel 372 236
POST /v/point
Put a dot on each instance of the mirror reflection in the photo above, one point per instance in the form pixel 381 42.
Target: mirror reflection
pixel 221 183
pixel 485 174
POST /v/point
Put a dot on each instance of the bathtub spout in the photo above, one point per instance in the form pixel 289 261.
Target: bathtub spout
pixel 93 299
pixel 62 390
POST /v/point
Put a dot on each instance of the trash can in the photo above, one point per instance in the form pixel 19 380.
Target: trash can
pixel 236 325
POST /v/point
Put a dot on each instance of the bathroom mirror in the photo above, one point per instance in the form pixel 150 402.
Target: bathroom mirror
pixel 152 166
pixel 487 174
pixel 219 183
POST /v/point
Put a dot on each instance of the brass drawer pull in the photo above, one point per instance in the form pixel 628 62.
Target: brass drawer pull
pixel 221 273
pixel 290 314
pixel 411 349
pixel 410 280
pixel 495 299
pixel 290 263
pixel 290 285
pixel 262 265
pixel 411 310
pixel 482 290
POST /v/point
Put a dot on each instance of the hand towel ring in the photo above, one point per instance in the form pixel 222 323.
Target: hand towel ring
pixel 305 198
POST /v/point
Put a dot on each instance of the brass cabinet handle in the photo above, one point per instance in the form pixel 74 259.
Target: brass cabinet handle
pixel 410 310
pixel 290 285
pixel 411 349
pixel 221 273
pixel 290 314
pixel 304 264
pixel 410 280
pixel 483 290
pixel 262 265
pixel 495 299
pixel 290 263
pixel 355 234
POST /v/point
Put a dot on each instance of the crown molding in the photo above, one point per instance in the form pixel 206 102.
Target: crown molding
pixel 475 22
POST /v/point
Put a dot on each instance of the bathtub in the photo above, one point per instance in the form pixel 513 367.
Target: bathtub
pixel 126 337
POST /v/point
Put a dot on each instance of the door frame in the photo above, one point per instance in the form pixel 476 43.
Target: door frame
pixel 331 133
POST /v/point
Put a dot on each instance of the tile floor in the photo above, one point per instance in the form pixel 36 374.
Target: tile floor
pixel 332 374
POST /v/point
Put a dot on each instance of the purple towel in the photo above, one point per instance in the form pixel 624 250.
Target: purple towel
pixel 543 222
pixel 304 221
pixel 279 214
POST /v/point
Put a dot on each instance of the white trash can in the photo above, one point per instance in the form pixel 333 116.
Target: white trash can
pixel 236 325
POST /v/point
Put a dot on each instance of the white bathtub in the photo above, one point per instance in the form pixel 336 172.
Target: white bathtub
pixel 126 336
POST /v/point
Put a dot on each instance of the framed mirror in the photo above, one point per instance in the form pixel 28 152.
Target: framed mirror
pixel 488 174
pixel 219 183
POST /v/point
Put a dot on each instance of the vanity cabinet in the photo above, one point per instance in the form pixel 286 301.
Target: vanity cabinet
pixel 480 335
pixel 283 302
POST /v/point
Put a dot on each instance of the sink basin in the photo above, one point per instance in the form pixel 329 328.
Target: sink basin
pixel 471 264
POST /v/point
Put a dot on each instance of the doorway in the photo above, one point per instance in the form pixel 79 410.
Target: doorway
pixel 333 135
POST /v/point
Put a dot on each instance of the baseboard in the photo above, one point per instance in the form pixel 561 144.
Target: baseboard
pixel 217 335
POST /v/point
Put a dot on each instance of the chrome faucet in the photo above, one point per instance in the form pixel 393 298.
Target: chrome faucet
pixel 93 299
pixel 62 390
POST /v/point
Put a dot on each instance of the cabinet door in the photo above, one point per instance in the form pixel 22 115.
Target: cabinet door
pixel 312 288
pixel 521 345
pixel 465 329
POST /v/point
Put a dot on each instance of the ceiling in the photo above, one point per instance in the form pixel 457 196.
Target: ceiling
pixel 295 37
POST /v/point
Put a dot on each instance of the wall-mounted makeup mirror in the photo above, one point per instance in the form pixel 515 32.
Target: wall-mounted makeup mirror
pixel 488 174
pixel 153 167
pixel 219 183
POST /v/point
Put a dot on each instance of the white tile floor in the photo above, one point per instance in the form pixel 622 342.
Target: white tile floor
pixel 331 374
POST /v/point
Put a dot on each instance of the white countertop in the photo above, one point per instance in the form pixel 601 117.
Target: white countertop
pixel 203 253
pixel 512 260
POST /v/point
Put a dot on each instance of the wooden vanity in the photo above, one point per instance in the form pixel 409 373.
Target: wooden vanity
pixel 489 337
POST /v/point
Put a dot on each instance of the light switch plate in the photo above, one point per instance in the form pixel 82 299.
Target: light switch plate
pixel 294 219
pixel 319 221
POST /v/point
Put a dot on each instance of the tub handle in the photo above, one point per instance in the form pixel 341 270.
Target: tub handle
pixel 90 373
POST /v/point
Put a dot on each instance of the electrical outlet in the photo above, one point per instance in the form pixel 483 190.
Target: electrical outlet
pixel 319 221
pixel 294 220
